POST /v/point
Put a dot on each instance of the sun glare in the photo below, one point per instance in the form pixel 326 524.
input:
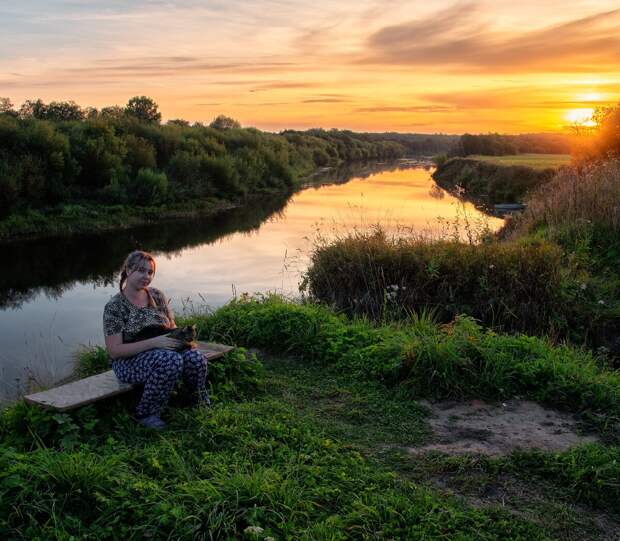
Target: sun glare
pixel 580 117
pixel 590 96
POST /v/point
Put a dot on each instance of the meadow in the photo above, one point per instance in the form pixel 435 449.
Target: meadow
pixel 535 161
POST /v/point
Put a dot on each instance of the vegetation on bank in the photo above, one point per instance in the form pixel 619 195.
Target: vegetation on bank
pixel 512 286
pixel 488 182
pixel 58 155
pixel 266 463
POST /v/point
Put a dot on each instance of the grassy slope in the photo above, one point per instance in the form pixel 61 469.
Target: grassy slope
pixel 536 161
pixel 317 455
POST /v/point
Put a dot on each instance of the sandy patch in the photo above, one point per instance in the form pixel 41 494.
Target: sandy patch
pixel 498 429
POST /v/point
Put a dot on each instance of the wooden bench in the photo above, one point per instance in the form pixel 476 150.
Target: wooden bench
pixel 85 391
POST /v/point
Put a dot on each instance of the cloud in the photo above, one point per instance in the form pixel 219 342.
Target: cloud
pixel 456 39
pixel 161 66
pixel 325 100
pixel 406 109
pixel 275 85
pixel 523 96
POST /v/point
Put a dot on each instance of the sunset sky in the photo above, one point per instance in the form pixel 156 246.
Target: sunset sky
pixel 366 65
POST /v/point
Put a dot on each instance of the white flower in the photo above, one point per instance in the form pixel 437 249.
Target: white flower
pixel 491 266
pixel 583 286
pixel 601 301
pixel 253 530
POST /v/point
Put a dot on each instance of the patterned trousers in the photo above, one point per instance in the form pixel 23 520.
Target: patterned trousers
pixel 159 370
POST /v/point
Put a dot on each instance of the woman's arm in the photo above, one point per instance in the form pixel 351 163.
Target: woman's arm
pixel 116 349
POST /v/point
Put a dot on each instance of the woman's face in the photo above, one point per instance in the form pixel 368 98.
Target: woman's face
pixel 141 275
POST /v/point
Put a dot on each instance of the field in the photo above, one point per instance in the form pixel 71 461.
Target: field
pixel 536 161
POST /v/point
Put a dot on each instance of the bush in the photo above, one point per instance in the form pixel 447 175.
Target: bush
pixel 513 286
pixel 148 187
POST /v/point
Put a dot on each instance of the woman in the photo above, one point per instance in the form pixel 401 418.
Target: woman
pixel 153 362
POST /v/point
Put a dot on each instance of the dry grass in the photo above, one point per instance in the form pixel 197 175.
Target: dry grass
pixel 584 195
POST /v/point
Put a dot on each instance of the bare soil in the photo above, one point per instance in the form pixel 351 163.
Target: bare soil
pixel 477 427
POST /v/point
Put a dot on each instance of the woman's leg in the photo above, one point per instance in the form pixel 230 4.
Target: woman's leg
pixel 158 369
pixel 195 375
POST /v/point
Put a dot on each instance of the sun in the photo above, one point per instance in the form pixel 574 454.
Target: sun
pixel 580 117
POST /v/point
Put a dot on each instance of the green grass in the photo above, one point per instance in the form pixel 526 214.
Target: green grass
pixel 314 445
pixel 457 360
pixel 316 455
pixel 536 161
pixel 263 469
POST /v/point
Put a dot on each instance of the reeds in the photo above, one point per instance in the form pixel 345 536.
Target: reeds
pixel 575 197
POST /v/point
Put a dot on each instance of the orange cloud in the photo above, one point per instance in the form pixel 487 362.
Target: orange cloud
pixel 456 39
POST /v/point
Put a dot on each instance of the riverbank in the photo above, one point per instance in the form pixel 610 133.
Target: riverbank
pixel 89 218
pixel 493 180
pixel 323 444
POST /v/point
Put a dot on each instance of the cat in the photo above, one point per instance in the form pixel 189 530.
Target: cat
pixel 185 334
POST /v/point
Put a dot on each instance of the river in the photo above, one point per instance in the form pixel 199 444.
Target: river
pixel 52 292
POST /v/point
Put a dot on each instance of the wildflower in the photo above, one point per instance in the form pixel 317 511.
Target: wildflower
pixel 491 266
pixel 583 286
pixel 601 301
pixel 256 530
pixel 269 538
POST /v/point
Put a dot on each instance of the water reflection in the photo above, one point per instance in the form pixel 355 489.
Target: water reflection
pixel 52 292
pixel 52 267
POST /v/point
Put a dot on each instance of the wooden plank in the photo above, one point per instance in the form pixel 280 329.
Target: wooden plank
pixel 91 389
pixel 80 392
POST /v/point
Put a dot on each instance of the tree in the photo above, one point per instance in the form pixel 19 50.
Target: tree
pixel 112 112
pixel 608 137
pixel 33 109
pixel 223 122
pixel 64 111
pixel 178 122
pixel 6 107
pixel 144 109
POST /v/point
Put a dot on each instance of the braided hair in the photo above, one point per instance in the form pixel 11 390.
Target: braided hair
pixel 132 261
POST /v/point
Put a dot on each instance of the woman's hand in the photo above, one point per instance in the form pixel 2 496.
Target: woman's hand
pixel 164 342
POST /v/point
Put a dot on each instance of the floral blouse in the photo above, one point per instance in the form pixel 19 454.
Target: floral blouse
pixel 121 315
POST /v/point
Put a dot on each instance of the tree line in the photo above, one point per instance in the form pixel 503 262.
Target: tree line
pixel 495 144
pixel 60 152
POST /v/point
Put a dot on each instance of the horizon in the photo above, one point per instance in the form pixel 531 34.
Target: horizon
pixel 395 66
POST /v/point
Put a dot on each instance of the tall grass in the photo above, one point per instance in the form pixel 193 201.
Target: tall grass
pixel 576 197
pixel 456 360
pixel 511 285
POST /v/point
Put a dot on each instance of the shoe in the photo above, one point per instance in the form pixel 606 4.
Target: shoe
pixel 152 421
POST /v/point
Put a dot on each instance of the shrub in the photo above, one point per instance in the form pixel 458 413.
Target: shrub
pixel 514 286
pixel 147 187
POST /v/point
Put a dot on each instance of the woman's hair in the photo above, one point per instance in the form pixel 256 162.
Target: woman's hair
pixel 132 261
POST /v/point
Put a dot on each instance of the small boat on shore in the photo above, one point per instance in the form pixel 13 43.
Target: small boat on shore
pixel 508 207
